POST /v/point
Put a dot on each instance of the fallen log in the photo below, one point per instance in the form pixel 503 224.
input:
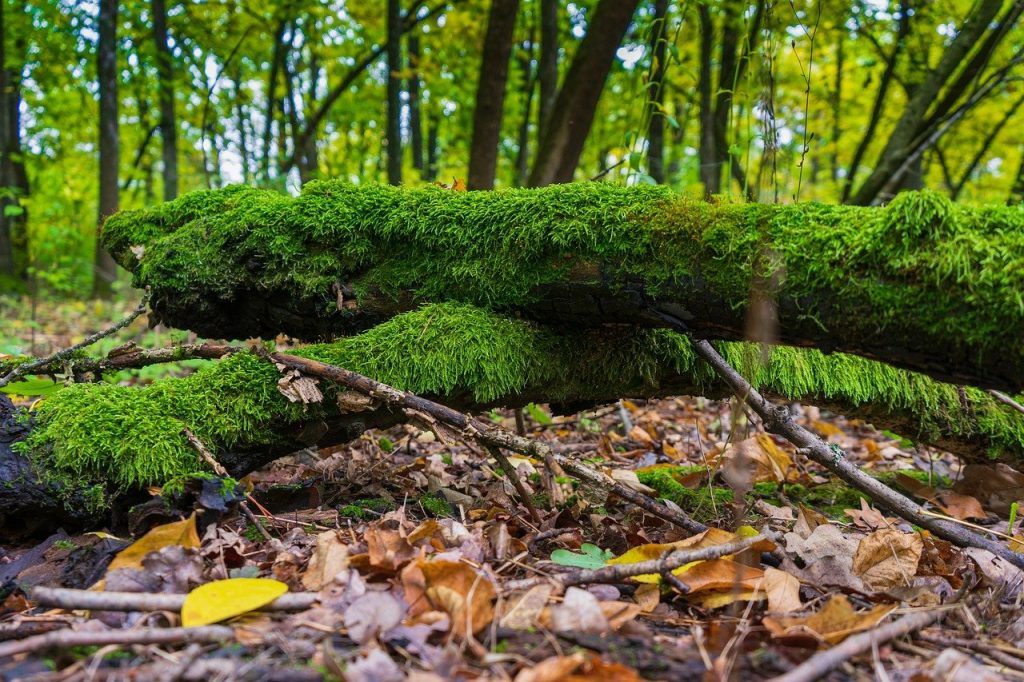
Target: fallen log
pixel 922 284
pixel 91 442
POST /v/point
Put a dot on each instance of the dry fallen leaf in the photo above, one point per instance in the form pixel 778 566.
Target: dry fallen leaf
pixel 888 558
pixel 868 518
pixel 783 591
pixel 579 612
pixel 522 610
pixel 387 548
pixel 554 669
pixel 371 614
pixel 647 597
pixel 329 557
pixel 836 621
pixel 181 533
pixel 460 591
pixel 958 505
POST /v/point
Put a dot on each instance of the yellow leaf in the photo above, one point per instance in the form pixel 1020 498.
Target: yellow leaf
pixel 178 533
pixel 836 621
pixel 223 599
pixel 709 538
pixel 715 600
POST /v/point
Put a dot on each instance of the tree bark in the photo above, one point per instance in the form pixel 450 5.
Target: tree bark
pixel 394 92
pixel 415 118
pixel 490 94
pixel 576 105
pixel 656 93
pixel 109 142
pixel 165 85
pixel 872 282
pixel 547 67
pixel 13 176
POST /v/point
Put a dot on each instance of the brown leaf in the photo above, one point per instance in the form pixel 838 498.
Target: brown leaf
pixel 996 487
pixel 460 591
pixel 648 597
pixel 329 558
pixel 836 621
pixel 387 548
pixel 888 558
pixel 721 574
pixel 298 388
pixel 579 612
pixel 868 518
pixel 372 614
pixel 783 591
pixel 523 610
pixel 554 669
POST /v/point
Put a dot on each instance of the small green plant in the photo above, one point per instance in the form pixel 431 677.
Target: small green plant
pixel 435 505
pixel 589 556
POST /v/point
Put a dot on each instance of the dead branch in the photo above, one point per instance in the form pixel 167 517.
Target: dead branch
pixel 820 664
pixel 618 573
pixel 89 600
pixel 61 355
pixel 778 420
pixel 63 639
pixel 493 436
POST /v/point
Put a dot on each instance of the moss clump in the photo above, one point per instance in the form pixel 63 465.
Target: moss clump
pixel 131 437
pixel 921 275
pixel 435 505
pixel 367 507
pixel 703 503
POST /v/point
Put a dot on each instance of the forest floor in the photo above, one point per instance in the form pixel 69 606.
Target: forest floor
pixel 426 565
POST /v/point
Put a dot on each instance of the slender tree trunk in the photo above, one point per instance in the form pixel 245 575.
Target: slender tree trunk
pixel 547 68
pixel 576 104
pixel 165 84
pixel 271 104
pixel 656 94
pixel 710 169
pixel 1017 190
pixel 394 108
pixel 13 178
pixel 433 147
pixel 523 140
pixel 415 119
pixel 490 94
pixel 837 102
pixel 244 128
pixel 109 141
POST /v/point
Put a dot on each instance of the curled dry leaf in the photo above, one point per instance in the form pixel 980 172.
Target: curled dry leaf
pixel 579 612
pixel 462 592
pixel 329 558
pixel 298 388
pixel 888 558
pixel 836 621
pixel 783 591
pixel 762 459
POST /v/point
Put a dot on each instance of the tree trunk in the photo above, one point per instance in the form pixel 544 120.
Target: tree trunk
pixel 109 142
pixel 547 67
pixel 165 84
pixel 490 94
pixel 460 356
pixel 433 147
pixel 576 105
pixel 879 283
pixel 394 92
pixel 523 139
pixel 415 119
pixel 901 143
pixel 656 93
pixel 13 177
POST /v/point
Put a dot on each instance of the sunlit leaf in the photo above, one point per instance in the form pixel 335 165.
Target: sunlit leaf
pixel 223 599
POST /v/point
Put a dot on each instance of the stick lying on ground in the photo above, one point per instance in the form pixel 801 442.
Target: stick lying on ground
pixel 64 639
pixel 89 600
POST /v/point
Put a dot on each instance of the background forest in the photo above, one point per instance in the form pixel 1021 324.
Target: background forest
pixel 123 104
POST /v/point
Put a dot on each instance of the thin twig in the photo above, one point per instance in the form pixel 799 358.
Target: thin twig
pixel 64 639
pixel 513 475
pixel 90 600
pixel 1001 657
pixel 219 469
pixel 138 357
pixel 618 573
pixel 489 435
pixel 26 368
pixel 1007 400
pixel 819 665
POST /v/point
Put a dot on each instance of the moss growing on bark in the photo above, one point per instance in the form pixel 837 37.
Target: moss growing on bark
pixel 921 275
pixel 130 437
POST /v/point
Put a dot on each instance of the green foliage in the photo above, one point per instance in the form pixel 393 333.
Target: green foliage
pixel 435 505
pixel 359 509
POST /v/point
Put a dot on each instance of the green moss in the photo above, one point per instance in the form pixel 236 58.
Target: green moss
pixel 920 273
pixel 130 437
pixel 704 503
pixel 435 505
pixel 359 508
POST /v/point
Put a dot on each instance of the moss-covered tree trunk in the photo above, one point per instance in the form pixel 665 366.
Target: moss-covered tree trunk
pixel 921 284
pixel 92 443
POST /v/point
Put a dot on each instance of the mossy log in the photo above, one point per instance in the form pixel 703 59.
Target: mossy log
pixel 97 441
pixel 921 284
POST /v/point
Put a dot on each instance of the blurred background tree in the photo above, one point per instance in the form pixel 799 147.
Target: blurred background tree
pixel 123 103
